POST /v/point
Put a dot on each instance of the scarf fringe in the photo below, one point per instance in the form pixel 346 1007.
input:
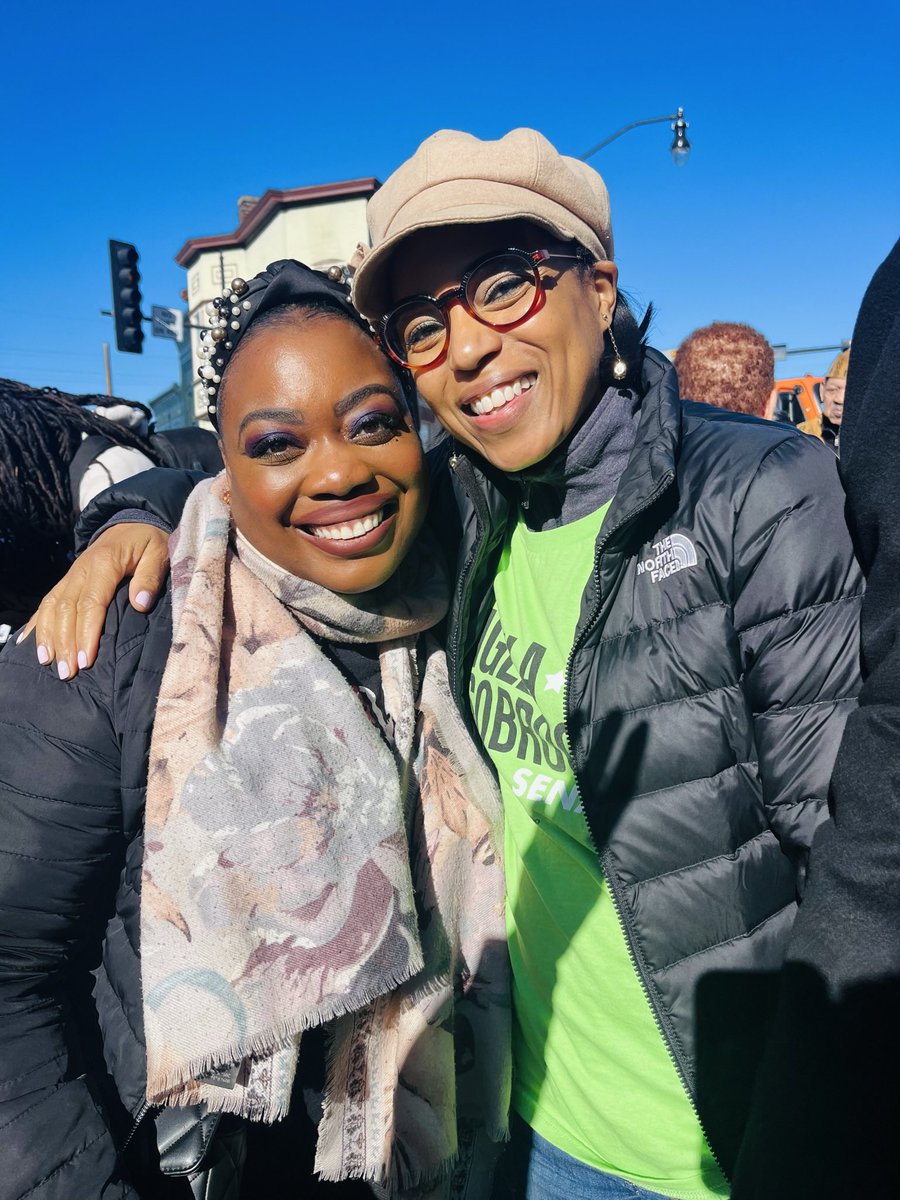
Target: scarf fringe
pixel 401 1177
pixel 398 1178
pixel 230 1103
pixel 175 1087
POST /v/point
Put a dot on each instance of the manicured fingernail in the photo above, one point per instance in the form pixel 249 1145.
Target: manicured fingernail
pixel 43 655
pixel 63 668
pixel 20 637
pixel 143 599
pixel 82 660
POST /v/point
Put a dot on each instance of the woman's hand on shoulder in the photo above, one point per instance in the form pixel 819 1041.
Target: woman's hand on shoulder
pixel 70 619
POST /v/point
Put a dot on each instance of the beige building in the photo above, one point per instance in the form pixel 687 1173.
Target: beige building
pixel 319 225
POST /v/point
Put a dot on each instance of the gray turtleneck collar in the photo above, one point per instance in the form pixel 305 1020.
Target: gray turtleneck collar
pixel 584 471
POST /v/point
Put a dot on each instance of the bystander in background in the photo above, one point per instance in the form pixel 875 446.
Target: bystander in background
pixel 57 452
pixel 727 364
pixel 41 433
pixel 833 390
pixel 827 425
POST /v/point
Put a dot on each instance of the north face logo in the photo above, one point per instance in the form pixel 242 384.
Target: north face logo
pixel 671 554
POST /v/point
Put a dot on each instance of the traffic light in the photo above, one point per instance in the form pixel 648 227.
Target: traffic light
pixel 126 296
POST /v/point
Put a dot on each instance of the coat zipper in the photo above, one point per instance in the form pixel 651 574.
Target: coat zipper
pixel 627 932
pixel 461 582
pixel 146 1107
pixel 605 859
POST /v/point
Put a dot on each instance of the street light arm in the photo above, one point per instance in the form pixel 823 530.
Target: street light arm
pixel 625 128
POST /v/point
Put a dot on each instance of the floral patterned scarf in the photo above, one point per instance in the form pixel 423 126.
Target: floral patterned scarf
pixel 300 870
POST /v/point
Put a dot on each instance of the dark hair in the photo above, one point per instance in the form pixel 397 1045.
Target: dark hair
pixel 310 310
pixel 631 338
pixel 40 432
pixel 630 335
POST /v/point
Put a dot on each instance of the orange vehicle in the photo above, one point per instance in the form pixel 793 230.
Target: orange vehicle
pixel 796 400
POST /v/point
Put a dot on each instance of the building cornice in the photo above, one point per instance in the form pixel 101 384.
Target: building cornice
pixel 265 209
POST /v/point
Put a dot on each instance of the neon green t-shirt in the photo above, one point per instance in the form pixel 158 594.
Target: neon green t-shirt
pixel 592 1074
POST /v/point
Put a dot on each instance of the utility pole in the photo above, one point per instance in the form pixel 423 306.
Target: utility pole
pixel 109 390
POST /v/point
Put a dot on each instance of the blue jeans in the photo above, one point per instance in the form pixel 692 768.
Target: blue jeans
pixel 554 1175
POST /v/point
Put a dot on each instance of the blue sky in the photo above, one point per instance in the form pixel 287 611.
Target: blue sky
pixel 146 122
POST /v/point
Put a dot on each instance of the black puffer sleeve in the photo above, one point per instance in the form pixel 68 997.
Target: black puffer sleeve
pixel 156 496
pixel 62 847
pixel 797 592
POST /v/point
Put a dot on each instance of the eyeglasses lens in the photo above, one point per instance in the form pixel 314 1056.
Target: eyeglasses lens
pixel 416 332
pixel 501 292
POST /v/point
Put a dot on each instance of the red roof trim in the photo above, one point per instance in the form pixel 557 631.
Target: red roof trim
pixel 263 211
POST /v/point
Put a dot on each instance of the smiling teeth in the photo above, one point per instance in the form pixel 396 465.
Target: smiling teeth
pixel 344 533
pixel 502 395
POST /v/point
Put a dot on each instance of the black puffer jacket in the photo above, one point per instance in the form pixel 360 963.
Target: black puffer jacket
pixel 73 1122
pixel 715 662
pixel 72 774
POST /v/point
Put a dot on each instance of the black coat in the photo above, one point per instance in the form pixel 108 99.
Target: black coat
pixel 73 764
pixel 826 1114
pixel 73 1121
pixel 706 695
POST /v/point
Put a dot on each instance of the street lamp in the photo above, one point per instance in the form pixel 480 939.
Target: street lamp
pixel 680 147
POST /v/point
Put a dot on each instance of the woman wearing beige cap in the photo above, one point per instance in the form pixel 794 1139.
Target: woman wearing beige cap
pixel 653 633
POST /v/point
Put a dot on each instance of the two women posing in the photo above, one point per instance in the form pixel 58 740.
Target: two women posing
pixel 652 630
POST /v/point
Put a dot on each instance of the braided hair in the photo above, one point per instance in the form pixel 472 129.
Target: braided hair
pixel 40 432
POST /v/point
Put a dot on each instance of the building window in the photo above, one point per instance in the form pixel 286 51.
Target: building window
pixel 223 273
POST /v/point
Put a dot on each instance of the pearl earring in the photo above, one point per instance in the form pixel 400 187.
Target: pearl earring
pixel 620 367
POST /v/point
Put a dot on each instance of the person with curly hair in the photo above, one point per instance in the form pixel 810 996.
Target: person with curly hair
pixel 728 364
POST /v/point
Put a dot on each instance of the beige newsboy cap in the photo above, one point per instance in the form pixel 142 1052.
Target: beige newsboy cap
pixel 458 179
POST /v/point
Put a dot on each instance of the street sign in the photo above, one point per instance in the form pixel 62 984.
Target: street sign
pixel 167 323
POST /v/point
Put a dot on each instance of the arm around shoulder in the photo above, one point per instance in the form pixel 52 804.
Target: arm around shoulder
pixel 127 527
pixel 158 495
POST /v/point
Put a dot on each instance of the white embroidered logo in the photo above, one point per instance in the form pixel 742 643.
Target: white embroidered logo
pixel 671 554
